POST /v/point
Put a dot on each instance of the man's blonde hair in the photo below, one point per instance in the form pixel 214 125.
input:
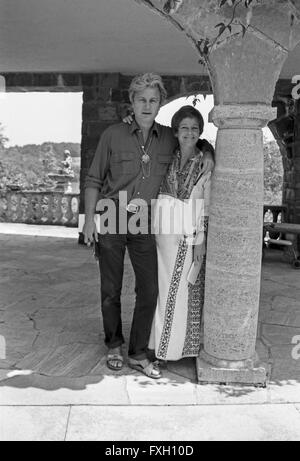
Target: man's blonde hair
pixel 148 80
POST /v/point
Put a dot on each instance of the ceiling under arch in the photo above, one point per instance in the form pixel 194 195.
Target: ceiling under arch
pixel 97 36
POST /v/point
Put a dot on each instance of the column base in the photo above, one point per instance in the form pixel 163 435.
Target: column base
pixel 250 372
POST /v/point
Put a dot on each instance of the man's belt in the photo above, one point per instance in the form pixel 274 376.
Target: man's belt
pixel 132 208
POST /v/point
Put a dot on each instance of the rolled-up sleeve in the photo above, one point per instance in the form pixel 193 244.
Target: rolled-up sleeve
pixel 100 163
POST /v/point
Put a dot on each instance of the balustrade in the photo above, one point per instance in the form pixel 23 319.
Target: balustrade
pixel 48 207
pixel 274 213
pixel 62 208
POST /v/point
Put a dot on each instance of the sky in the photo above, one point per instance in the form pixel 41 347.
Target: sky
pixel 34 118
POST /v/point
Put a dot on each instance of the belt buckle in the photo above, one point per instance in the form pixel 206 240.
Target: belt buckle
pixel 132 208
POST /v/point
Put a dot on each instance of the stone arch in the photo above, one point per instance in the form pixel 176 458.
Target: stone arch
pixel 188 86
pixel 198 22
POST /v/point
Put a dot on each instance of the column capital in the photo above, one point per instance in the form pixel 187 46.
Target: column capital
pixel 242 115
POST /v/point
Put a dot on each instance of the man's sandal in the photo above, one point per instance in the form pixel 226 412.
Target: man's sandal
pixel 114 361
pixel 150 369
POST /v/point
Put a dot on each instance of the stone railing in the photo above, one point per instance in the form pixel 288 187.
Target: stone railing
pixel 274 213
pixel 31 207
pixel 61 208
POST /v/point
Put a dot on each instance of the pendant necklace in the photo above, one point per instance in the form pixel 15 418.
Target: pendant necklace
pixel 145 158
pixel 146 164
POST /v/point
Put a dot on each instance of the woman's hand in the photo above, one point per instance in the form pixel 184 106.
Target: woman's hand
pixel 128 119
pixel 90 232
pixel 199 252
pixel 207 163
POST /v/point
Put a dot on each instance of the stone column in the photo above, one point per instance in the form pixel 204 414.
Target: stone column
pixel 98 112
pixel 234 247
pixel 244 72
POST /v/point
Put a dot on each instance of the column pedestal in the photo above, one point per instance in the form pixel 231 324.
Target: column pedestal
pixel 249 372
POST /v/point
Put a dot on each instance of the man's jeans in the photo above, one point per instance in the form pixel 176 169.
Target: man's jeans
pixel 143 256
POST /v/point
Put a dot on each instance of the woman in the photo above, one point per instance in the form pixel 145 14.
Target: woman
pixel 181 252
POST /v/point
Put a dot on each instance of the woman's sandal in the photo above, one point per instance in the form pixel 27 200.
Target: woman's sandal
pixel 114 361
pixel 150 369
pixel 162 363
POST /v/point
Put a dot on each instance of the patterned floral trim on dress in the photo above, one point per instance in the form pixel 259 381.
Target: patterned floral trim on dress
pixel 192 340
pixel 171 300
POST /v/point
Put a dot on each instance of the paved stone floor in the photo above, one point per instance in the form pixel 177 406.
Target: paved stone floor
pixel 52 358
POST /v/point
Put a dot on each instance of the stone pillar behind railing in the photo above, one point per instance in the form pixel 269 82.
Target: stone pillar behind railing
pixel 31 207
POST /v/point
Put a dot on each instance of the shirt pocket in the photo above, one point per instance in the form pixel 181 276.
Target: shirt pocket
pixel 161 164
pixel 124 163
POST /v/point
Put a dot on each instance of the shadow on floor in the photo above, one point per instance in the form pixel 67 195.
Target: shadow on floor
pixel 51 324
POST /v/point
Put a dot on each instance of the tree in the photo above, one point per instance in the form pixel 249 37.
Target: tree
pixel 273 174
pixel 3 139
pixel 27 167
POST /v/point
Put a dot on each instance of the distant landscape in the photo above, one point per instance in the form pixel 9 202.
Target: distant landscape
pixel 273 174
pixel 27 167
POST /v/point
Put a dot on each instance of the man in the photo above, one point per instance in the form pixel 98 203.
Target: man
pixel 131 158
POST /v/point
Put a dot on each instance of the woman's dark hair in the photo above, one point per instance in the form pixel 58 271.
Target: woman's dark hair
pixel 186 112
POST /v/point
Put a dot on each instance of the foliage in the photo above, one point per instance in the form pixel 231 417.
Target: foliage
pixel 170 6
pixel 3 139
pixel 27 167
pixel 204 45
pixel 273 174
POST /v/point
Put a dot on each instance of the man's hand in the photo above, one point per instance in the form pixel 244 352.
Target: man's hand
pixel 208 163
pixel 128 119
pixel 90 232
pixel 199 252
pixel 89 229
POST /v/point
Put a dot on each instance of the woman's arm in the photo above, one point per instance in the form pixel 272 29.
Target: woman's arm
pixel 202 223
pixel 208 160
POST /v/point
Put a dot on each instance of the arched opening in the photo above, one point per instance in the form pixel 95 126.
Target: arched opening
pixel 203 103
pixel 273 170
pixel 39 126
